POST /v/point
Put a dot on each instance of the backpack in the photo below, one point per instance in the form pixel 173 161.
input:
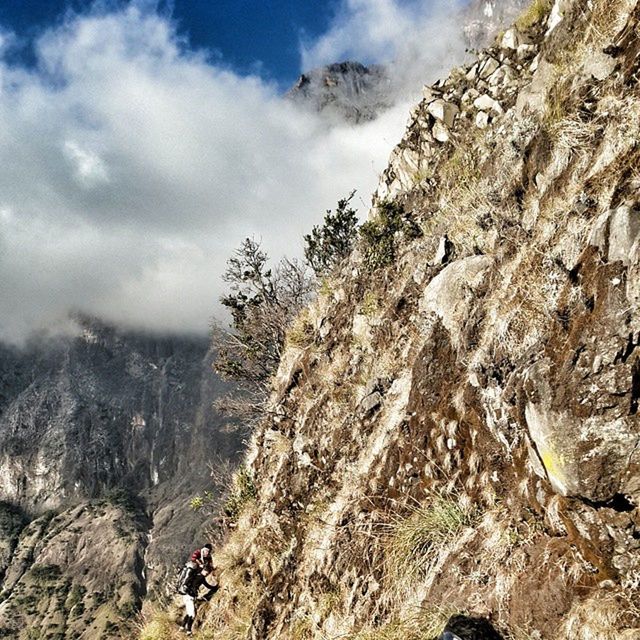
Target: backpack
pixel 184 578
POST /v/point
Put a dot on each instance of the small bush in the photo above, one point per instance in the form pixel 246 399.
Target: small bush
pixel 12 520
pixel 44 574
pixel 243 492
pixel 327 246
pixel 534 14
pixel 382 235
pixel 301 334
pixel 123 499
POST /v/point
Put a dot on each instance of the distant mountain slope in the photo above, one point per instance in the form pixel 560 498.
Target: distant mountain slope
pixel 352 92
pixel 116 414
pixel 346 90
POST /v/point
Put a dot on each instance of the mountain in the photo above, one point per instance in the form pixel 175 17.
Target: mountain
pixel 456 442
pixel 345 91
pixel 352 92
pixel 105 436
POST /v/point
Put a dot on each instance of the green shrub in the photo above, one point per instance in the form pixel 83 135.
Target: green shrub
pixel 43 574
pixel 12 520
pixel 328 245
pixel 381 236
pixel 243 491
pixel 122 498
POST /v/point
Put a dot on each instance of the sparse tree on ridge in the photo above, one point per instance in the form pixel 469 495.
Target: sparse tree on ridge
pixel 263 302
pixel 328 245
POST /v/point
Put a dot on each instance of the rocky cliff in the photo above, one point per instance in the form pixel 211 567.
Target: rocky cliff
pixel 344 91
pixel 460 431
pixel 104 438
pixel 352 92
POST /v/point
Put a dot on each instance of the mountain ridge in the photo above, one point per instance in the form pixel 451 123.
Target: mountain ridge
pixel 458 435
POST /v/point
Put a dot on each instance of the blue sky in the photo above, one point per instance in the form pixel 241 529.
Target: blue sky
pixel 248 35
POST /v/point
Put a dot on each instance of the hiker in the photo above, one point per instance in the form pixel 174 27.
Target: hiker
pixel 202 557
pixel 191 579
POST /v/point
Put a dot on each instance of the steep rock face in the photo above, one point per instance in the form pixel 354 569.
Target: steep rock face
pixel 462 433
pixel 106 409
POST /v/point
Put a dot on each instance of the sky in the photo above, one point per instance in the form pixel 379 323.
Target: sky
pixel 246 35
pixel 138 146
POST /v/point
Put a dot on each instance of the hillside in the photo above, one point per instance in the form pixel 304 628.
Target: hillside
pixel 459 433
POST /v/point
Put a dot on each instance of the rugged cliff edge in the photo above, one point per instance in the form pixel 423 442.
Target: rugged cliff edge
pixel 460 432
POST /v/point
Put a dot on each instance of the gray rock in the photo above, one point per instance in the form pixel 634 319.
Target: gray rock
pixel 370 402
pixel 440 132
pixel 615 232
pixel 487 103
pixel 623 232
pixel 488 68
pixel 510 39
pixel 599 65
pixel 445 112
pixel 482 120
pixel 443 252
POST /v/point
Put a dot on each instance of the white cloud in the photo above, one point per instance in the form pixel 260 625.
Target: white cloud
pixel 89 169
pixel 418 39
pixel 132 167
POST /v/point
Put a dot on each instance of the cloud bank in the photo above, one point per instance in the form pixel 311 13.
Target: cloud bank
pixel 132 166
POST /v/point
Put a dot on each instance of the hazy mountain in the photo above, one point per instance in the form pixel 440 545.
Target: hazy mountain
pixel 103 420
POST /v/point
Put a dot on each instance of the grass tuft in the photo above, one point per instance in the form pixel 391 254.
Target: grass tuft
pixel 157 625
pixel 412 541
pixel 426 624
pixel 534 14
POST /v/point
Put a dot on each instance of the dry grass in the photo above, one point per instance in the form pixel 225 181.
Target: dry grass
pixel 425 624
pixel 157 624
pixel 534 14
pixel 412 542
pixel 462 201
pixel 524 302
pixel 607 19
pixel 230 616
pixel 613 615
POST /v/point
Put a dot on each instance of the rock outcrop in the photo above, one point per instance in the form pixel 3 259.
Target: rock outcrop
pixel 462 435
pixel 352 92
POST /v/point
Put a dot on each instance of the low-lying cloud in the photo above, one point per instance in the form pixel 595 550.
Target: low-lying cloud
pixel 132 166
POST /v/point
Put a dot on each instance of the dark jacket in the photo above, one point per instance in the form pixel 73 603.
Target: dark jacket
pixel 195 581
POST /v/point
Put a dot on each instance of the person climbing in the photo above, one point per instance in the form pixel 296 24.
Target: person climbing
pixel 202 557
pixel 191 579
